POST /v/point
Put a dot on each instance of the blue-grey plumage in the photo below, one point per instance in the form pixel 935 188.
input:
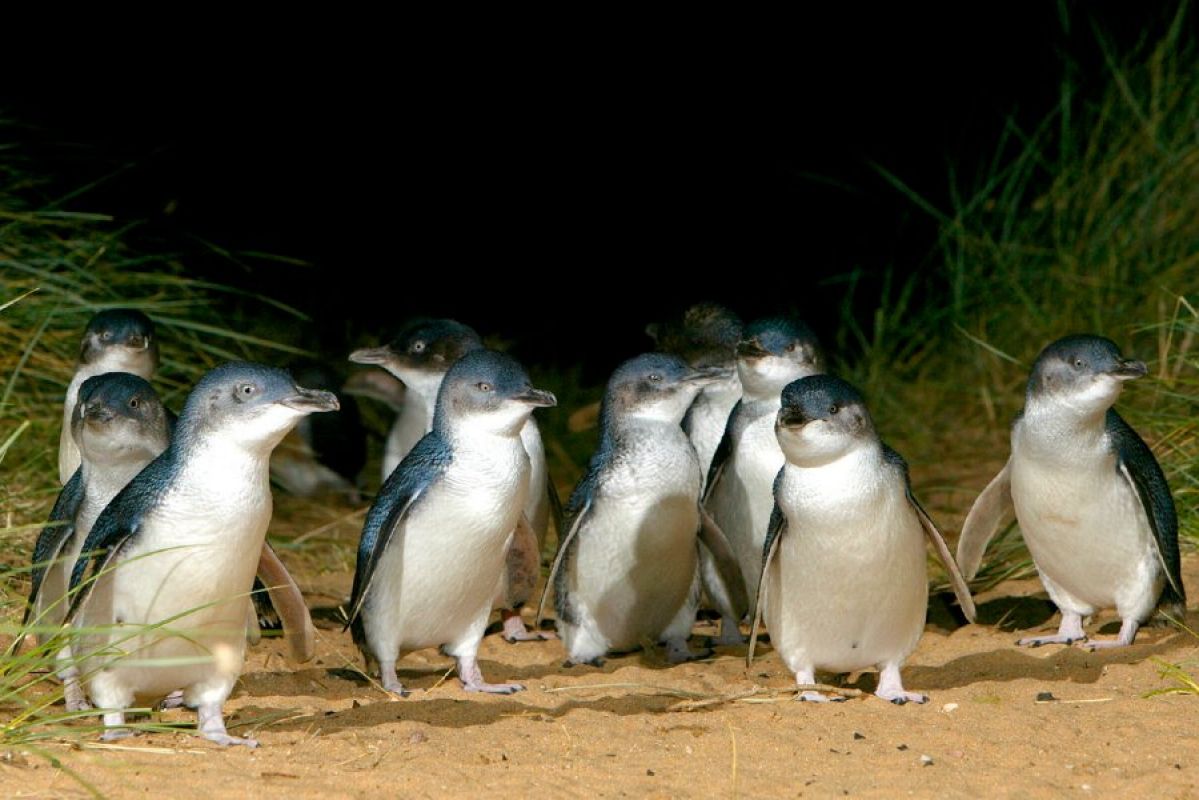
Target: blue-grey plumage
pixel 626 569
pixel 419 356
pixel 434 545
pixel 1091 500
pixel 771 354
pixel 843 574
pixel 116 340
pixel 194 521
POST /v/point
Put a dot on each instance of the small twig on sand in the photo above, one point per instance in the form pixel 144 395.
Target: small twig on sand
pixel 760 694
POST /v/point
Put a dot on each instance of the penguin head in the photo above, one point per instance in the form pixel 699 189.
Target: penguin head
pixel 1081 372
pixel 706 336
pixel 656 386
pixel 773 352
pixel 487 391
pixel 120 340
pixel 422 351
pixel 251 405
pixel 821 419
pixel 118 417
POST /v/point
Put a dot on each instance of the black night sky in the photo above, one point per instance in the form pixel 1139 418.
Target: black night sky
pixel 552 188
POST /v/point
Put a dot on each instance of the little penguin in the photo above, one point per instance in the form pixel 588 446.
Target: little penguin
pixel 772 353
pixel 119 426
pixel 173 557
pixel 626 571
pixel 843 576
pixel 115 340
pixel 1091 500
pixel 434 547
pixel 419 356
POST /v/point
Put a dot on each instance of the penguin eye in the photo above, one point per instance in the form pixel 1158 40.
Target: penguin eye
pixel 483 386
pixel 105 336
pixel 133 402
pixel 417 347
pixel 1079 363
pixel 655 377
pixel 245 391
pixel 834 408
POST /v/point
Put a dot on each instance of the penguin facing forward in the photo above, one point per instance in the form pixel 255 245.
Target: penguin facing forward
pixel 843 576
pixel 1091 500
pixel 771 354
pixel 626 570
pixel 434 546
pixel 172 558
pixel 116 340
pixel 420 356
pixel 119 426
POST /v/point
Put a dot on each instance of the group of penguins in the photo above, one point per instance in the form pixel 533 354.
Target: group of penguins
pixel 731 471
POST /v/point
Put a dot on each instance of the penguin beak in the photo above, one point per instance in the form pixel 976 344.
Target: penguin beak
pixel 308 400
pixel 537 398
pixel 705 376
pixel 372 355
pixel 792 418
pixel 1129 369
pixel 97 412
pixel 751 348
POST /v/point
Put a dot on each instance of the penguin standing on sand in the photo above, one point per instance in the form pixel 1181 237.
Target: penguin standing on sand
pixel 174 555
pixel 844 584
pixel 420 356
pixel 116 340
pixel 626 571
pixel 434 546
pixel 1091 500
pixel 739 493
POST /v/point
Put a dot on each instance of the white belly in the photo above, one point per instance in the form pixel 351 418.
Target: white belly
pixel 742 501
pixel 189 572
pixel 1087 532
pixel 707 420
pixel 445 562
pixel 848 586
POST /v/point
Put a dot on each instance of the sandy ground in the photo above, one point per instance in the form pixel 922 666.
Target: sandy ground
pixel 989 729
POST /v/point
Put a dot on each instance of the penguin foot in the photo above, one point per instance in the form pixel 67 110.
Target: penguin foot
pixel 396 688
pixel 901 697
pixel 225 740
pixel 172 700
pixel 818 697
pixel 1057 638
pixel 515 631
pixel 494 688
pixel 212 727
pixel 74 696
pixel 677 652
pixel 1128 634
pixel 591 662
pixel 391 683
pixel 116 734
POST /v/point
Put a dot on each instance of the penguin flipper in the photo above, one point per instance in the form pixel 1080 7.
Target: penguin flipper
pixel 960 589
pixel 423 465
pixel 289 605
pixel 59 530
pixel 993 505
pixel 721 456
pixel 712 538
pixel 1145 477
pixel 564 546
pixel 113 529
pixel 774 533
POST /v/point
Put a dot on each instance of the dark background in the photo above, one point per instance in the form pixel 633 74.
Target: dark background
pixel 560 190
